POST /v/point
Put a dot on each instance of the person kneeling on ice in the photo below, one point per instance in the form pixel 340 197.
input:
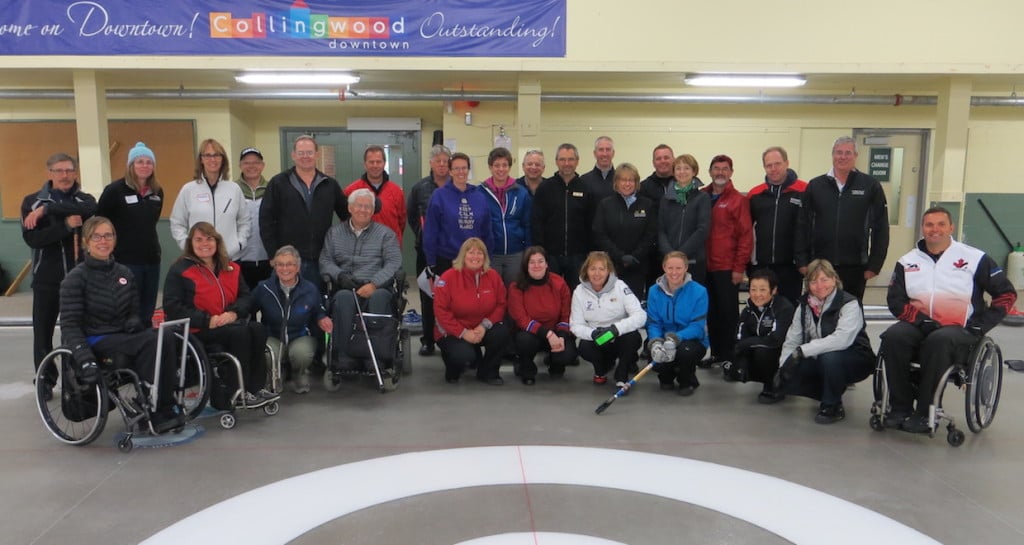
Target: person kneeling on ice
pixel 677 308
pixel 759 337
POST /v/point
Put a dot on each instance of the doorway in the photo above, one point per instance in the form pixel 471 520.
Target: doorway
pixel 898 158
pixel 341 157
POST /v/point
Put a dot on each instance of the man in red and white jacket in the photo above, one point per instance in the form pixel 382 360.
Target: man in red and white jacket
pixel 937 293
pixel 728 249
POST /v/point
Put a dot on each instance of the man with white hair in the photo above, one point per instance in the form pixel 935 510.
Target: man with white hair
pixel 361 257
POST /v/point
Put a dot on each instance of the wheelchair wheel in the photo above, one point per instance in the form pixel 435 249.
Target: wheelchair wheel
pixel 984 385
pixel 955 437
pixel 272 408
pixel 125 445
pixel 74 413
pixel 196 391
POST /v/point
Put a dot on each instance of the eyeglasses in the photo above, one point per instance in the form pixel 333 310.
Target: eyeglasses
pixel 96 237
pixel 210 155
pixel 62 170
pixel 459 169
pixel 305 153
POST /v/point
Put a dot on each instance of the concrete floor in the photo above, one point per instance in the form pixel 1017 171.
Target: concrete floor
pixel 57 494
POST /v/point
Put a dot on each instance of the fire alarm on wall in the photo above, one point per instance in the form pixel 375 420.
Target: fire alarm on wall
pixel 469 118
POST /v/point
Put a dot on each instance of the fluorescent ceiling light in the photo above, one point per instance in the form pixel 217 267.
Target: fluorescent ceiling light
pixel 745 80
pixel 297 78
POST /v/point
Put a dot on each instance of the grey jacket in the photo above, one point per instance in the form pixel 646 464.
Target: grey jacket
pixel 373 256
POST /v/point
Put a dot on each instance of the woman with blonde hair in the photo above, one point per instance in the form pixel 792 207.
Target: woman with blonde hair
pixel 827 346
pixel 469 309
pixel 606 316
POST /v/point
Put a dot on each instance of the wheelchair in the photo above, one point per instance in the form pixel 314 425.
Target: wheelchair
pixel 379 341
pixel 224 368
pixel 76 413
pixel 980 375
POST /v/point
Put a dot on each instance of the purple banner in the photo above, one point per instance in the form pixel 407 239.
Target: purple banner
pixel 387 28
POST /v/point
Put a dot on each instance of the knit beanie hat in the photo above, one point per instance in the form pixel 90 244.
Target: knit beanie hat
pixel 140 150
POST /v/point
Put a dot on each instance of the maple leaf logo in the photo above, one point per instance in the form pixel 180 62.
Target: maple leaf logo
pixel 960 263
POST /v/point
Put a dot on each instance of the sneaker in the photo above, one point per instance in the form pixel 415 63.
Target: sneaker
pixel 706 363
pixel 686 391
pixel 412 317
pixel 895 418
pixel 252 400
pixel 426 349
pixel 769 397
pixel 830 414
pixel 529 381
pixel 668 386
pixel 267 395
pixel 167 419
pixel 493 381
pixel 600 379
pixel 917 423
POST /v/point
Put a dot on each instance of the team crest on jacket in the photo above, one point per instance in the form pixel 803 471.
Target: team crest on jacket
pixel 960 263
pixel 123 281
pixel 439 283
pixel 768 322
pixel 912 267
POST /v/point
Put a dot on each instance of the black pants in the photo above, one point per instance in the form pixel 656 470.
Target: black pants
pixel 568 266
pixel 723 313
pixel 254 272
pixel 684 367
pixel 247 342
pixel 344 310
pixel 902 343
pixel 426 303
pixel 459 354
pixel 141 349
pixel 45 308
pixel 826 376
pixel 529 344
pixel 635 278
pixel 760 362
pixel 620 353
pixel 853 280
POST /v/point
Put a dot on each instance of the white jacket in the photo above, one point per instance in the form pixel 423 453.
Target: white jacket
pixel 614 305
pixel 224 208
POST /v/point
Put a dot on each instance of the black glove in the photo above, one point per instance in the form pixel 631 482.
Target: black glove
pixel 89 373
pixel 787 371
pixel 346 282
pixel 929 326
pixel 630 261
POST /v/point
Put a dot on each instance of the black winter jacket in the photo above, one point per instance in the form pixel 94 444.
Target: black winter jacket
pixel 562 216
pixel 775 211
pixel 619 230
pixel 97 298
pixel 764 326
pixel 684 228
pixel 286 219
pixel 134 218
pixel 848 228
pixel 52 242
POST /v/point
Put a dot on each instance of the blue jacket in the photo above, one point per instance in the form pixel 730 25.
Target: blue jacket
pixel 452 217
pixel 683 313
pixel 301 312
pixel 510 229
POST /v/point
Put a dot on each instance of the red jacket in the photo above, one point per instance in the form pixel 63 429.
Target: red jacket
pixel 463 299
pixel 730 241
pixel 541 307
pixel 192 290
pixel 392 203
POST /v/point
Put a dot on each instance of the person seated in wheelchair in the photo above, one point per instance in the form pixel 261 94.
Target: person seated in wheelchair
pixel 362 258
pixel 291 310
pixel 204 286
pixel 827 346
pixel 937 294
pixel 99 318
pixel 759 337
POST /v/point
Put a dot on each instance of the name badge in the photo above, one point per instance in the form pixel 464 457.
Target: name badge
pixel 203 197
pixel 640 214
pixel 131 199
pixel 577 193
pixel 796 201
pixel 858 192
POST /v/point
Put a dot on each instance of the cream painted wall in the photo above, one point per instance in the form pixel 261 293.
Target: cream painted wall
pixel 995 136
